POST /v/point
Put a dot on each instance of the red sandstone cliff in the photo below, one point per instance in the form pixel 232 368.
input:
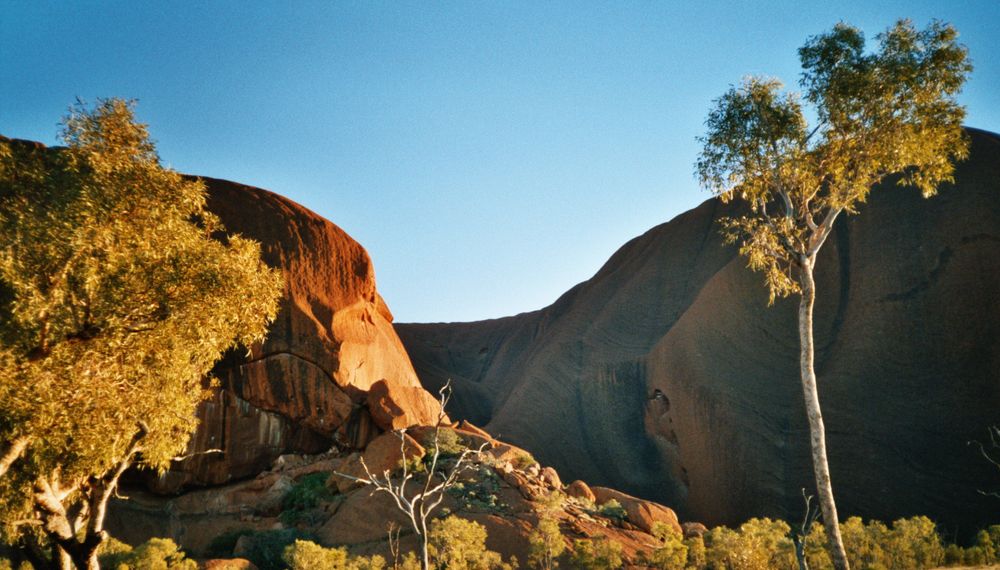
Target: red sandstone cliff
pixel 331 366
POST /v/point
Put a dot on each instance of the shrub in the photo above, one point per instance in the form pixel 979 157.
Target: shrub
pixel 612 510
pixel 266 549
pixel 480 491
pixel 154 554
pixel 769 541
pixel 113 553
pixel 600 554
pixel 223 545
pixel 449 443
pixel 302 499
pixel 673 553
pixel 696 554
pixel 459 544
pixel 308 492
pixel 816 553
pixel 523 460
pixel 914 543
pixel 989 541
pixel 306 555
pixel 864 544
pixel 545 544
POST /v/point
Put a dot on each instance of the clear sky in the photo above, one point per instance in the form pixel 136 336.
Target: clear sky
pixel 489 155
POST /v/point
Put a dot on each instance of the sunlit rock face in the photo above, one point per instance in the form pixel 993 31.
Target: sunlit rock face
pixel 308 384
pixel 666 374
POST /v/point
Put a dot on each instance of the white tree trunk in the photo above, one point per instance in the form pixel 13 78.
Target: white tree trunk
pixel 817 433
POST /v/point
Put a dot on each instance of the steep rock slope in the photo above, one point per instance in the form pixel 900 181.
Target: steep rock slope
pixel 331 363
pixel 667 375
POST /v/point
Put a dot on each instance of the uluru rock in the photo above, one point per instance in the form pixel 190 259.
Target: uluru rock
pixel 308 385
pixel 668 376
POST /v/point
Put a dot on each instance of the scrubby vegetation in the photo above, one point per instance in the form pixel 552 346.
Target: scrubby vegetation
pixel 307 555
pixel 301 502
pixel 479 491
pixel 599 554
pixel 546 544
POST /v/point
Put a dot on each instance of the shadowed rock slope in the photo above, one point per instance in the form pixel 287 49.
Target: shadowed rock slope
pixel 666 374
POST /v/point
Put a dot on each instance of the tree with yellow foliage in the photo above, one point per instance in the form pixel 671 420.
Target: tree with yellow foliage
pixel 118 293
pixel 888 113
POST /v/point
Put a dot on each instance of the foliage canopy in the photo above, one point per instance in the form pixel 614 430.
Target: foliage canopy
pixel 892 111
pixel 118 293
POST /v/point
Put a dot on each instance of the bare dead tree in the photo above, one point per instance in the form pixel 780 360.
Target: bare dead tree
pixel 991 454
pixel 420 501
pixel 802 533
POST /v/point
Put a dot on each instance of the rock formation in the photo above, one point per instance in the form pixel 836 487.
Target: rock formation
pixel 331 368
pixel 507 497
pixel 666 374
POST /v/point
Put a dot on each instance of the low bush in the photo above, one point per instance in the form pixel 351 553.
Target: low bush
pixel 479 490
pixel 672 554
pixel 301 502
pixel 154 554
pixel 545 544
pixel 307 555
pixel 599 554
pixel 459 544
pixel 223 545
pixel 266 548
pixel 612 510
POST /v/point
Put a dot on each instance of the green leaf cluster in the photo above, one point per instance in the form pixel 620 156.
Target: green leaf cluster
pixel 459 544
pixel 119 290
pixel 892 111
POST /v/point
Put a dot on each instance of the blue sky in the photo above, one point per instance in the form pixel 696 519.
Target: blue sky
pixel 489 155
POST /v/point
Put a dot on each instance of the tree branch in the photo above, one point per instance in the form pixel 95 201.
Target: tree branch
pixel 14 451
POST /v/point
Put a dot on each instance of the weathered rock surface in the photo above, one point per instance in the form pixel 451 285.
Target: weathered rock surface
pixel 666 374
pixel 385 453
pixel 360 519
pixel 641 513
pixel 331 360
pixel 581 490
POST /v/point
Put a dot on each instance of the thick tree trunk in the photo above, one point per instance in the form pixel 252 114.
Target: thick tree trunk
pixel 817 433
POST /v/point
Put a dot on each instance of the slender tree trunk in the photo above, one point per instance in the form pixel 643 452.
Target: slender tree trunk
pixel 817 433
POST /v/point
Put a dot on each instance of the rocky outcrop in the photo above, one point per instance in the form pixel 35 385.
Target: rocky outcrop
pixel 641 513
pixel 668 376
pixel 506 499
pixel 331 369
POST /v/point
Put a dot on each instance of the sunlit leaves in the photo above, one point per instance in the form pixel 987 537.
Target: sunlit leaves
pixel 892 111
pixel 115 301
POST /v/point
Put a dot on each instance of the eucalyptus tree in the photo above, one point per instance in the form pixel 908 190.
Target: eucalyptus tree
pixel 891 112
pixel 118 293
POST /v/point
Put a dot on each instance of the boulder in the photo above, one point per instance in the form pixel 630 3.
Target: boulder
pixel 364 516
pixel 580 490
pixel 395 407
pixel 641 513
pixel 551 478
pixel 694 529
pixel 385 453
